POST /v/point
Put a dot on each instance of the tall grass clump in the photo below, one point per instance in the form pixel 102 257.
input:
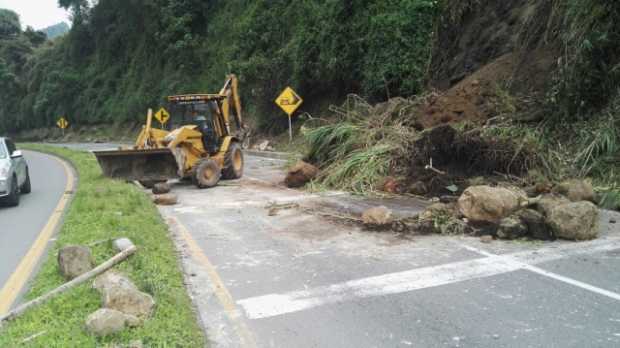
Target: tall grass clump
pixel 361 146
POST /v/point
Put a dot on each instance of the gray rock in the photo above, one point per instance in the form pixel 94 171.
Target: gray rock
pixel 576 190
pixel 74 260
pixel 129 301
pixel 536 225
pixel 546 203
pixel 111 279
pixel 486 239
pixel 106 322
pixel 511 228
pixel 136 344
pixel 454 226
pixel 377 216
pixel 490 204
pixel 575 221
pixel 263 145
pixel 161 188
pixel 122 244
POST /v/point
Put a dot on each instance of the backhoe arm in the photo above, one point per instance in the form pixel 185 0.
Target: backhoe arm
pixel 232 105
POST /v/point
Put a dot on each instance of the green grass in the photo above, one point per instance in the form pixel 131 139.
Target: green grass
pixel 106 209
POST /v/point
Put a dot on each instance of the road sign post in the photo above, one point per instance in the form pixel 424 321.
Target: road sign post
pixel 289 101
pixel 162 116
pixel 62 124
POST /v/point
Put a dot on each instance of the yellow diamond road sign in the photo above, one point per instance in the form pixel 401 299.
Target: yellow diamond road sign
pixel 162 116
pixel 289 101
pixel 62 123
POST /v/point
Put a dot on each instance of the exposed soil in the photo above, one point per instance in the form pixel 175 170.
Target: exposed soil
pixel 496 58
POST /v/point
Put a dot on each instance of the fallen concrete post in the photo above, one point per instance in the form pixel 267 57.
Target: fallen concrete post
pixel 129 250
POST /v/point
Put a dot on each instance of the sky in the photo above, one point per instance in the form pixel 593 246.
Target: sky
pixel 38 14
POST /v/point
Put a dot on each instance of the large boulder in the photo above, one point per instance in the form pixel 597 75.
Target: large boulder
pixel 546 203
pixel 74 260
pixel 300 174
pixel 511 228
pixel 377 217
pixel 108 321
pixel 576 190
pixel 490 204
pixel 129 301
pixel 111 279
pixel 575 221
pixel 536 225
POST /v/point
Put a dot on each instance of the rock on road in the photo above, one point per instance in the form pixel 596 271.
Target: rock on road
pixel 295 279
pixel 21 226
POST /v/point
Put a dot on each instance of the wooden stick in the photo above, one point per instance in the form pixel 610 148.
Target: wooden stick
pixel 116 259
pixel 30 338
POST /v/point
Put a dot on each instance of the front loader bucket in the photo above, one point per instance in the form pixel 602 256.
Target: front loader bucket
pixel 140 165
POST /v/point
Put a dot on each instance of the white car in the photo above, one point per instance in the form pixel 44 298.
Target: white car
pixel 14 175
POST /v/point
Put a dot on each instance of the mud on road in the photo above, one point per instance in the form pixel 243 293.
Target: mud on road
pixel 293 278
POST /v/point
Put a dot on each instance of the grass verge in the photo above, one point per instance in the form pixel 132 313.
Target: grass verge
pixel 105 209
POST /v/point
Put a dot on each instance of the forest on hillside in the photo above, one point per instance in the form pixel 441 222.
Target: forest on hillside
pixel 121 57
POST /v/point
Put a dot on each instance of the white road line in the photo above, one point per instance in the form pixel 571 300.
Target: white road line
pixel 393 283
pixel 512 260
pixel 278 304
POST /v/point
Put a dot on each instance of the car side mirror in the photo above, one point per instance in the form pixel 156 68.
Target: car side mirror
pixel 17 154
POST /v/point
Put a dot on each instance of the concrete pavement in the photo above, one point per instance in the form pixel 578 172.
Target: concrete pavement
pixel 21 227
pixel 298 279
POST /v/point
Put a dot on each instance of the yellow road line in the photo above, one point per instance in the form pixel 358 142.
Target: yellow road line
pixel 221 292
pixel 24 270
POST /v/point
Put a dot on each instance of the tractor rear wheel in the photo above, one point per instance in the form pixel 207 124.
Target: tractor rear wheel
pixel 233 165
pixel 207 174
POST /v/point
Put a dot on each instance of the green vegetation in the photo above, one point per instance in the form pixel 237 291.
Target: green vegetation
pixel 105 209
pixel 122 57
pixel 361 147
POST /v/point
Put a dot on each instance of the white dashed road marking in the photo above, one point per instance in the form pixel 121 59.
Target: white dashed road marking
pixel 278 304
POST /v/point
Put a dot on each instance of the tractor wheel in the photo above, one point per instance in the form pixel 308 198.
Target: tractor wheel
pixel 233 164
pixel 207 174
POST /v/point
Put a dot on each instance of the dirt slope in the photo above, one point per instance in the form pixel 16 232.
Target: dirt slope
pixel 487 55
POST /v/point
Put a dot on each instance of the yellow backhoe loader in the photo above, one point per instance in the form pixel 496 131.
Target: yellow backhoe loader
pixel 204 147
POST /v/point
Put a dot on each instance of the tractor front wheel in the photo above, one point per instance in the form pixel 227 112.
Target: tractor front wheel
pixel 233 167
pixel 207 174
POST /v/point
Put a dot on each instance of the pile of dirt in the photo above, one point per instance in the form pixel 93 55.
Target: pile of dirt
pixel 490 59
pixel 492 64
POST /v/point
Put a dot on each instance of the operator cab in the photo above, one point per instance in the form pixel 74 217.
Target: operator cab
pixel 201 111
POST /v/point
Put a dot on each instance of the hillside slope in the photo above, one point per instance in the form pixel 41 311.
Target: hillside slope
pixel 525 88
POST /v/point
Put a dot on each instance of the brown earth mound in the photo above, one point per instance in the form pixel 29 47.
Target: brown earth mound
pixel 490 59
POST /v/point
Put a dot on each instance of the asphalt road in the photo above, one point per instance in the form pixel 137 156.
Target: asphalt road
pixel 20 226
pixel 298 279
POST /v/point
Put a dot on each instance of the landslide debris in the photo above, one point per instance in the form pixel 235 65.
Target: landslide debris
pixel 497 212
pixel 300 174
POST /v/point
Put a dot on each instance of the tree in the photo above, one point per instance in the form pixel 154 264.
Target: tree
pixel 9 23
pixel 35 37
